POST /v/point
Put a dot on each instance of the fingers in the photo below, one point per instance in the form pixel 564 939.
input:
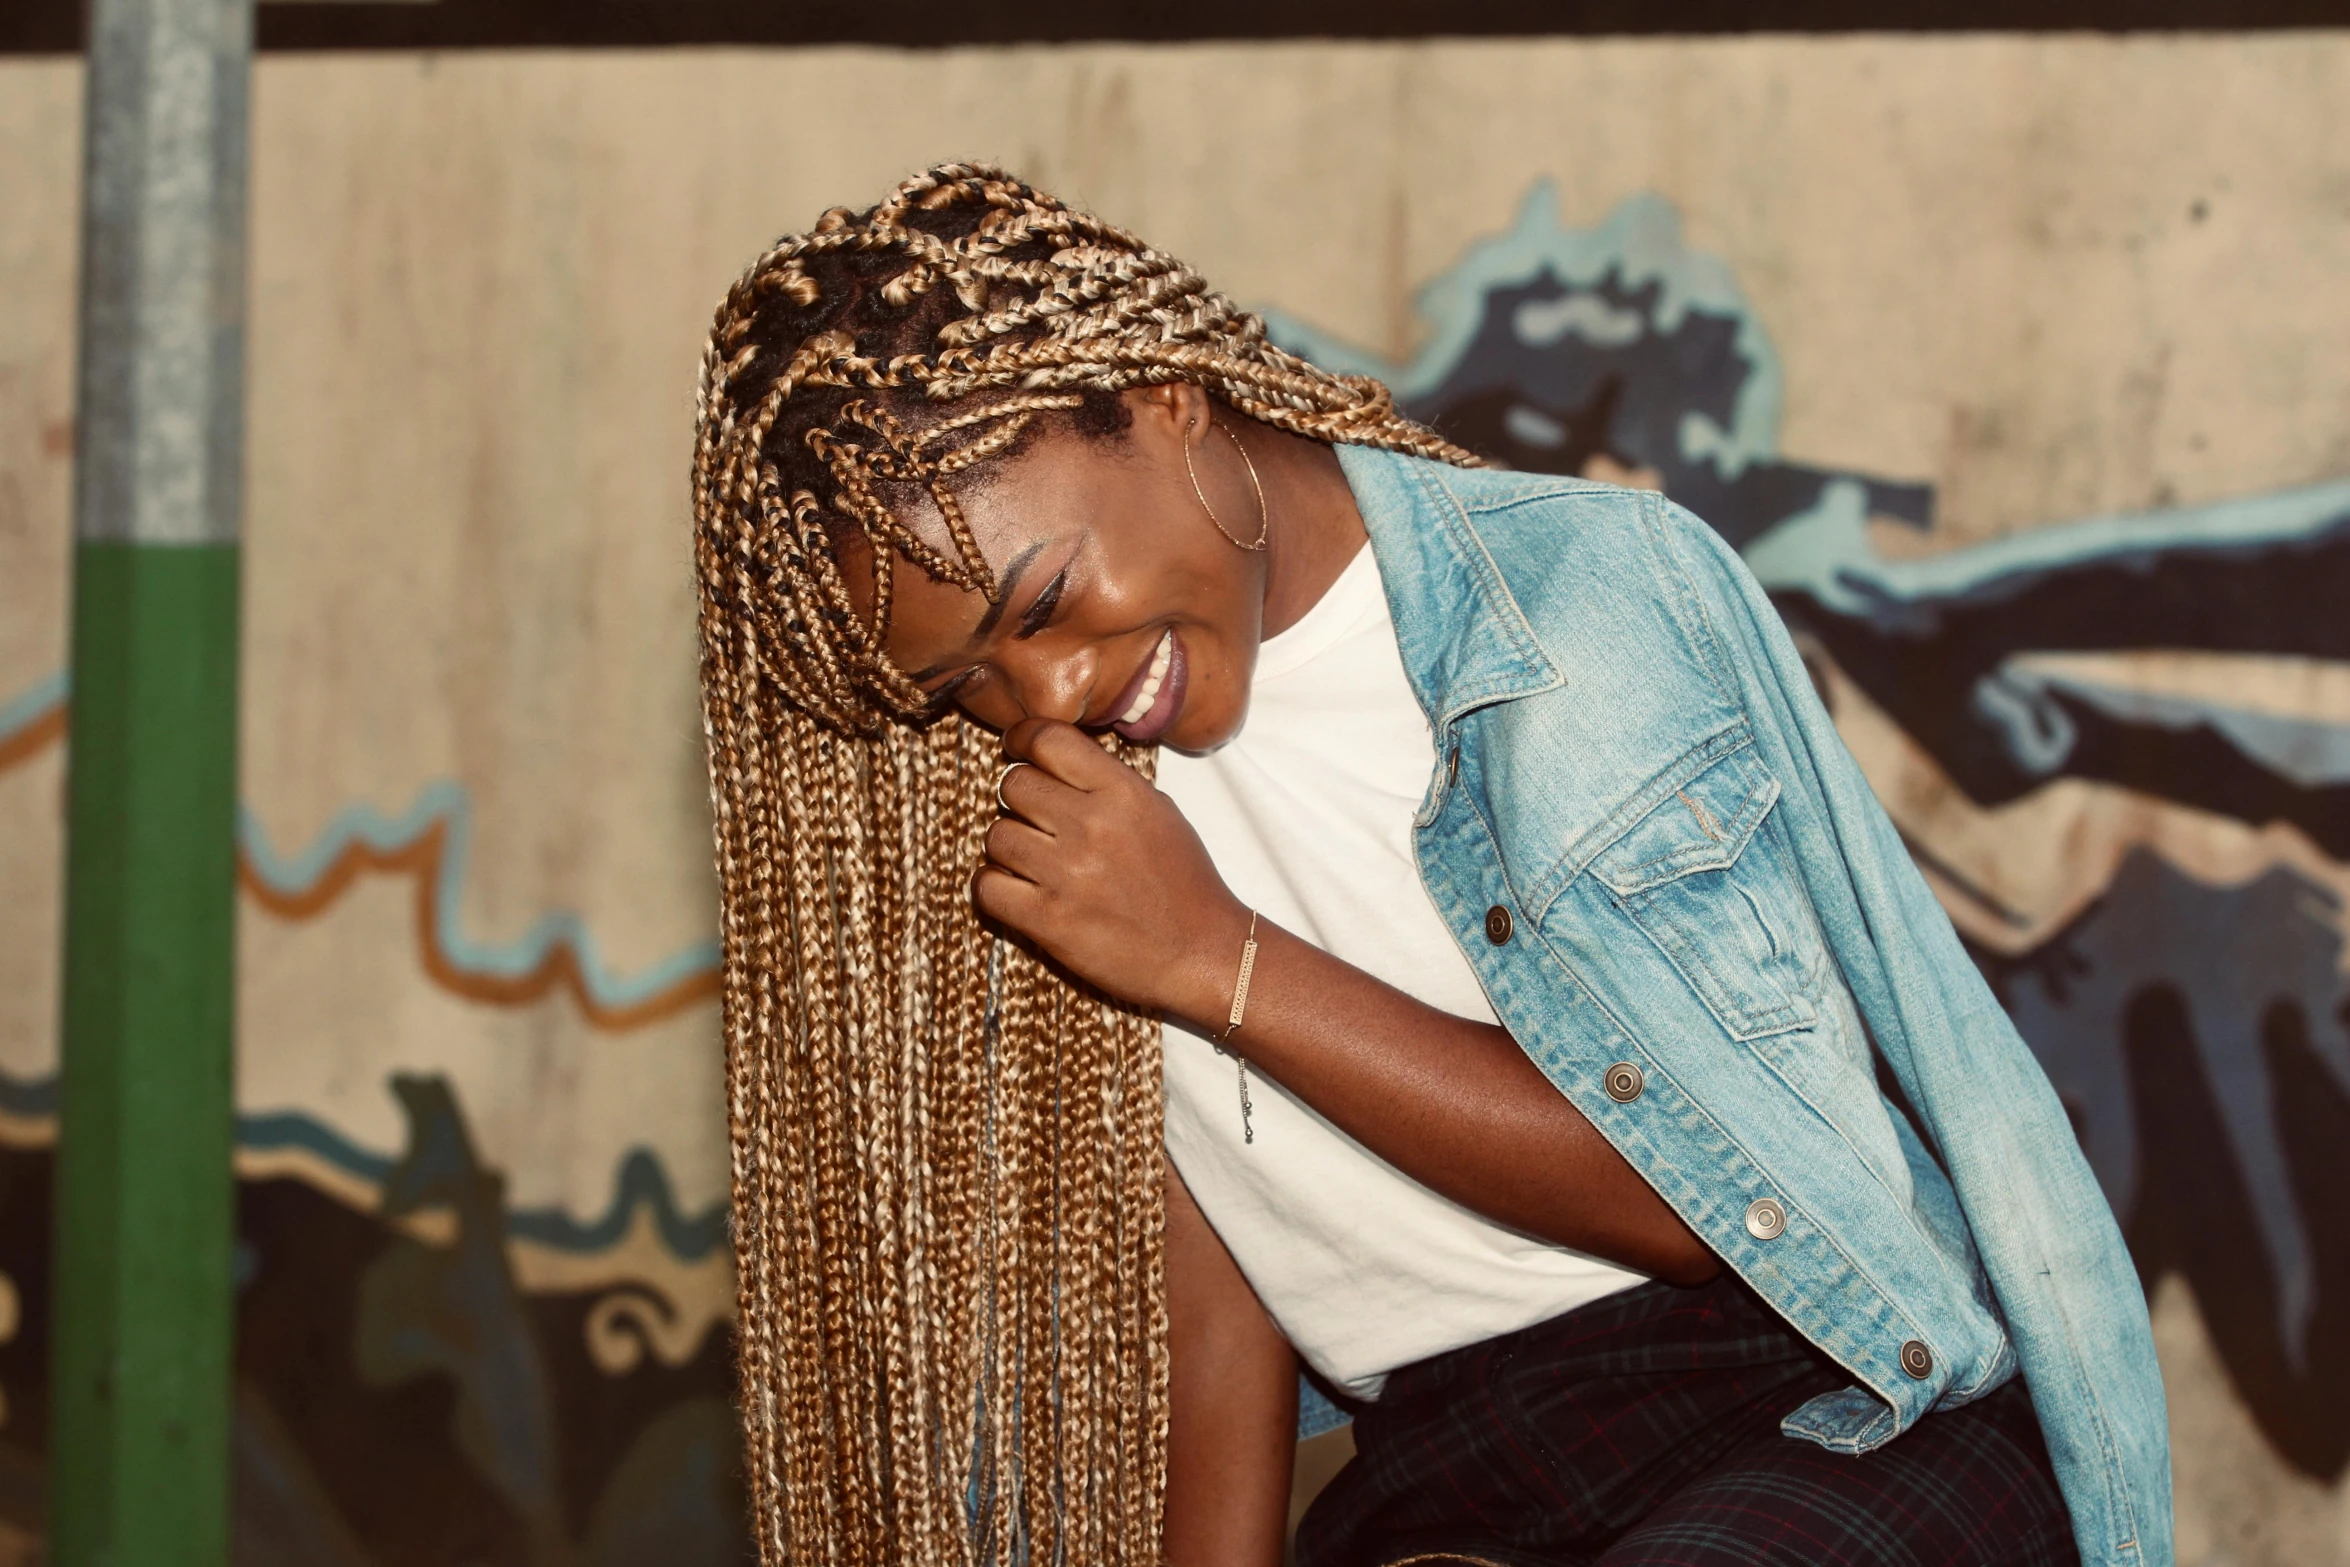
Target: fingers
pixel 1019 848
pixel 1006 899
pixel 1058 800
pixel 1028 791
pixel 1065 751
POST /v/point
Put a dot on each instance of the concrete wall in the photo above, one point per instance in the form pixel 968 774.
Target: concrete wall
pixel 1980 291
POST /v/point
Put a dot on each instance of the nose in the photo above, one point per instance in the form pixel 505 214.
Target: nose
pixel 1053 684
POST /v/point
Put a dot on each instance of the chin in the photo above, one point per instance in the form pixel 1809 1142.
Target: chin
pixel 1196 733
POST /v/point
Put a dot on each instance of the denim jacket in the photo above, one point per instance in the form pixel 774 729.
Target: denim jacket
pixel 1688 908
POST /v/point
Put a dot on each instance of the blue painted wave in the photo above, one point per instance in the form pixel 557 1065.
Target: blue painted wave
pixel 639 1184
pixel 446 805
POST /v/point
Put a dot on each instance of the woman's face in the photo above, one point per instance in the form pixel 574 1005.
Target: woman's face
pixel 1122 607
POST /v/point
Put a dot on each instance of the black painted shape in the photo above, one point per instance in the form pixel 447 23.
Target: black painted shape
pixel 384 1455
pixel 608 1423
pixel 676 1497
pixel 591 1469
pixel 2284 596
pixel 2230 951
pixel 452 1312
pixel 26 1208
pixel 1648 383
pixel 2194 1217
pixel 1921 662
pixel 2312 1113
pixel 1550 407
pixel 2202 768
pixel 284 1516
pixel 1480 421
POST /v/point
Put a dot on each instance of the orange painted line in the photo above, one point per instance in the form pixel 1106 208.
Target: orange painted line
pixel 30 740
pixel 421 859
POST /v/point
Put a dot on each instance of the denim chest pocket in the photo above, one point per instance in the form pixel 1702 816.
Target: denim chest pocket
pixel 1711 888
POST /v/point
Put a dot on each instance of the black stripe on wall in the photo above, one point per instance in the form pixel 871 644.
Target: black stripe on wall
pixel 55 26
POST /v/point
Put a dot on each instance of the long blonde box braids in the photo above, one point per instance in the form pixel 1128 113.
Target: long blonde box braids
pixel 946 1157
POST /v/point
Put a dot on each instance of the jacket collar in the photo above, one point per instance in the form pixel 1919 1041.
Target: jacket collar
pixel 1464 640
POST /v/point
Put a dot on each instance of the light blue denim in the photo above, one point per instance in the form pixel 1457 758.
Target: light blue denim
pixel 1634 768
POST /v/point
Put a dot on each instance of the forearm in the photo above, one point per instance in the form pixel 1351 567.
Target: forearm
pixel 1232 1394
pixel 1454 1104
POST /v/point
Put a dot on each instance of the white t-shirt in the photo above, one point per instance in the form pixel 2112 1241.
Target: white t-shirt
pixel 1307 814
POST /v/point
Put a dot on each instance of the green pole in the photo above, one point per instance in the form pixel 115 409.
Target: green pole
pixel 145 1193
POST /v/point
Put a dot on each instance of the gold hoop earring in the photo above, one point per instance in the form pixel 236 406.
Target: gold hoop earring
pixel 1264 518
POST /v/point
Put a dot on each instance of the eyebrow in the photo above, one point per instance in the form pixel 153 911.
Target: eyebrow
pixel 1005 586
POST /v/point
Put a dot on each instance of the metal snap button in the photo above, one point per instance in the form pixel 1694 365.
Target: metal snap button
pixel 1623 1082
pixel 1917 1360
pixel 1765 1219
pixel 1497 924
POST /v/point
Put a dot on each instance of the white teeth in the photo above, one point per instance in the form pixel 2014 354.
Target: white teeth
pixel 1148 696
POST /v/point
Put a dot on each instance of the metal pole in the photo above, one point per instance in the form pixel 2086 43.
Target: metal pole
pixel 145 1193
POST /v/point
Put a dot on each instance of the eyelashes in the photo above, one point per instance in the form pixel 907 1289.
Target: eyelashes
pixel 943 697
pixel 1040 613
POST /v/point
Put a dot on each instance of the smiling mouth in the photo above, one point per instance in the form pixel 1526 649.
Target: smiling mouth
pixel 1158 694
pixel 1148 696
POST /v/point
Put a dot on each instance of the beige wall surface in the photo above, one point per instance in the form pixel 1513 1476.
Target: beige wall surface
pixel 2049 277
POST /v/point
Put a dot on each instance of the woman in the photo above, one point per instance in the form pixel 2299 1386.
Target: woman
pixel 1527 950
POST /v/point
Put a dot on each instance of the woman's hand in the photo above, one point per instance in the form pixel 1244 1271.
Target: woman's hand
pixel 1101 871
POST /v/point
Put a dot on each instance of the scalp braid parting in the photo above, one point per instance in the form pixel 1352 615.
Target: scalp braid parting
pixel 946 1159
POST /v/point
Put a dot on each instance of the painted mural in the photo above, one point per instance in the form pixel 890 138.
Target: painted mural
pixel 2118 746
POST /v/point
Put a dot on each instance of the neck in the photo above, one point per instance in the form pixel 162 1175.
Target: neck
pixel 1314 530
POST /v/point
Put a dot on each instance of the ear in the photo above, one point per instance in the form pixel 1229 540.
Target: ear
pixel 1173 413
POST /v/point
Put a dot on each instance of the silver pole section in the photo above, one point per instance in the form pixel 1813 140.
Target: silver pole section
pixel 161 418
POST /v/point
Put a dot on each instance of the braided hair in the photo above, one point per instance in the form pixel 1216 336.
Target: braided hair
pixel 946 1156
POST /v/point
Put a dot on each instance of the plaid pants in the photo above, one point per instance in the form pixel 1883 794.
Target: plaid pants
pixel 1643 1431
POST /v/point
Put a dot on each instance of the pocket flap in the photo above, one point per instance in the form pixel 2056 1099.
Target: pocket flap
pixel 1701 826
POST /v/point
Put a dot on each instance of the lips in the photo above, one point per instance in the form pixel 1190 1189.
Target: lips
pixel 1148 705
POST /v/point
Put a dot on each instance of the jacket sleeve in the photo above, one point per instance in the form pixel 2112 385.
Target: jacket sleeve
pixel 2055 1259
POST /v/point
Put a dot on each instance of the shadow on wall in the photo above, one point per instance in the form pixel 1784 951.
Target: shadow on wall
pixel 2195 1217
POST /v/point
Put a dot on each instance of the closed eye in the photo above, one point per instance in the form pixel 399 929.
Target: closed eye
pixel 1040 614
pixel 942 697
